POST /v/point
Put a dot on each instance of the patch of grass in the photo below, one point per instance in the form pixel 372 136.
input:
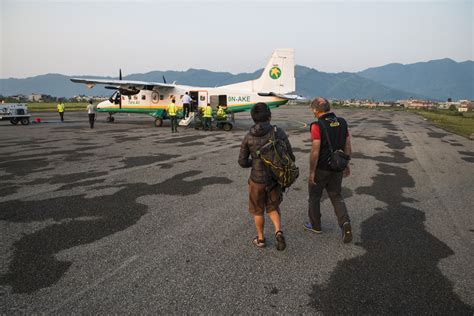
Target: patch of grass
pixel 49 107
pixel 451 121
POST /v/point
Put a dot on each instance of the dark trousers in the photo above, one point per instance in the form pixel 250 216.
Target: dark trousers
pixel 207 123
pixel 61 115
pixel 91 119
pixel 186 109
pixel 332 182
pixel 174 123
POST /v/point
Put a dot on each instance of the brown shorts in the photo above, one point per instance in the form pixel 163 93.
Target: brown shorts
pixel 261 200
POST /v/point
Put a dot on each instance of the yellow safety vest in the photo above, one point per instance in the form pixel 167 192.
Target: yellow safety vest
pixel 172 109
pixel 221 113
pixel 208 111
pixel 60 107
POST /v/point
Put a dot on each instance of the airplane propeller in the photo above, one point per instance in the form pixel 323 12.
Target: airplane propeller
pixel 120 78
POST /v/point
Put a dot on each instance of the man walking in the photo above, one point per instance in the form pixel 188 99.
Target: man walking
pixel 265 195
pixel 61 110
pixel 186 105
pixel 91 113
pixel 172 112
pixel 332 128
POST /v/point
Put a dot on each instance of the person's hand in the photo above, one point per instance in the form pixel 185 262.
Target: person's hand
pixel 312 176
pixel 346 172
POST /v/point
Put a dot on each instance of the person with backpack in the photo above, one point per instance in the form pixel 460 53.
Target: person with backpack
pixel 265 189
pixel 328 164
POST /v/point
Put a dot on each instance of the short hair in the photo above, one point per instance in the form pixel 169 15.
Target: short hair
pixel 321 104
pixel 260 112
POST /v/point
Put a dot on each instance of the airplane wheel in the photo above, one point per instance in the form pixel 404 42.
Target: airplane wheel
pixel 25 121
pixel 227 127
pixel 110 119
pixel 14 121
pixel 158 122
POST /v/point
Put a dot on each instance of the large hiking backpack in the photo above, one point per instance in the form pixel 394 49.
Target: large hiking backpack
pixel 276 158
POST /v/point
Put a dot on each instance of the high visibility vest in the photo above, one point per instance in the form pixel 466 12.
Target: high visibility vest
pixel 221 113
pixel 208 111
pixel 172 109
pixel 61 107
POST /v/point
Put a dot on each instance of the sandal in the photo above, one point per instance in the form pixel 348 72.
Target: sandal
pixel 258 243
pixel 280 241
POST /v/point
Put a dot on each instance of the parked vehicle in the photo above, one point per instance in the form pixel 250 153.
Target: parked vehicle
pixel 15 112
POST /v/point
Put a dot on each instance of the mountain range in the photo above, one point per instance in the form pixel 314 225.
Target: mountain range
pixel 435 80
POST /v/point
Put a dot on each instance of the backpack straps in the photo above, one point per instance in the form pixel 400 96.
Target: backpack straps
pixel 322 125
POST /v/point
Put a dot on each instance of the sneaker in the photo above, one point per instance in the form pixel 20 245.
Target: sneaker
pixel 258 243
pixel 346 232
pixel 313 228
pixel 280 241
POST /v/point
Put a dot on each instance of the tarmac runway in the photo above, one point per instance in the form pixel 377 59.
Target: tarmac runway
pixel 129 218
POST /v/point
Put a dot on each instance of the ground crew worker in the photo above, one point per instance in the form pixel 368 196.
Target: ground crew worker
pixel 91 113
pixel 61 110
pixel 221 114
pixel 172 111
pixel 208 118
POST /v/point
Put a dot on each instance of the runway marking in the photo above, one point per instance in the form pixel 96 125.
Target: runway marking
pixel 93 285
pixel 303 123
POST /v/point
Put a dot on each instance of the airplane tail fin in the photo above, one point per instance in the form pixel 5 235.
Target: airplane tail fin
pixel 277 77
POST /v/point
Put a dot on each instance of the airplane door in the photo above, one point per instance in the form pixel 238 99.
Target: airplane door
pixel 202 101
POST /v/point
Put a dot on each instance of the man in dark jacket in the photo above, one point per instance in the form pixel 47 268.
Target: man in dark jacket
pixel 264 193
pixel 320 174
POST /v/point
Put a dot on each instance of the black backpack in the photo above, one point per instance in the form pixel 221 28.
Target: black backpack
pixel 276 158
pixel 337 160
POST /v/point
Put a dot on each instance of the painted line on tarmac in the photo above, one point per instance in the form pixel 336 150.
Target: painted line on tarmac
pixel 302 123
pixel 93 285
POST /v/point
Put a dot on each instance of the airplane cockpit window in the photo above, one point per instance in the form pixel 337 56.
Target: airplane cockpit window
pixel 115 98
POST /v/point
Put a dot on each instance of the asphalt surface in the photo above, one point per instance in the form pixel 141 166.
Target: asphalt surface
pixel 129 218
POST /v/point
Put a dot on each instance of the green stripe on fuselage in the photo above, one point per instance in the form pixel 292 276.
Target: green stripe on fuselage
pixel 248 107
pixel 160 112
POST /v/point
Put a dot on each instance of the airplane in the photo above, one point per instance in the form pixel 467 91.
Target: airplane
pixel 153 98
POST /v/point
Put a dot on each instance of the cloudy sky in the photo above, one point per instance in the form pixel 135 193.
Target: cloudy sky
pixel 79 37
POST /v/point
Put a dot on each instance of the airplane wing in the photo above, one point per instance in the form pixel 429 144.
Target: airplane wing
pixel 291 97
pixel 123 84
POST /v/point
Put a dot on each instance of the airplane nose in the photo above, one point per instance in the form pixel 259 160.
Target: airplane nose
pixel 103 104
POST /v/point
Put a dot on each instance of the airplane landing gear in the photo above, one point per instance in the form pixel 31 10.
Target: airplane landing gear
pixel 110 118
pixel 158 122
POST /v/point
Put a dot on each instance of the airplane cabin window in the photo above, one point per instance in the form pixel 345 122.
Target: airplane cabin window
pixel 143 97
pixel 162 97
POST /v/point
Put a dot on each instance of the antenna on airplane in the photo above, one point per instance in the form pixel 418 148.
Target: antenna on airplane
pixel 164 80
